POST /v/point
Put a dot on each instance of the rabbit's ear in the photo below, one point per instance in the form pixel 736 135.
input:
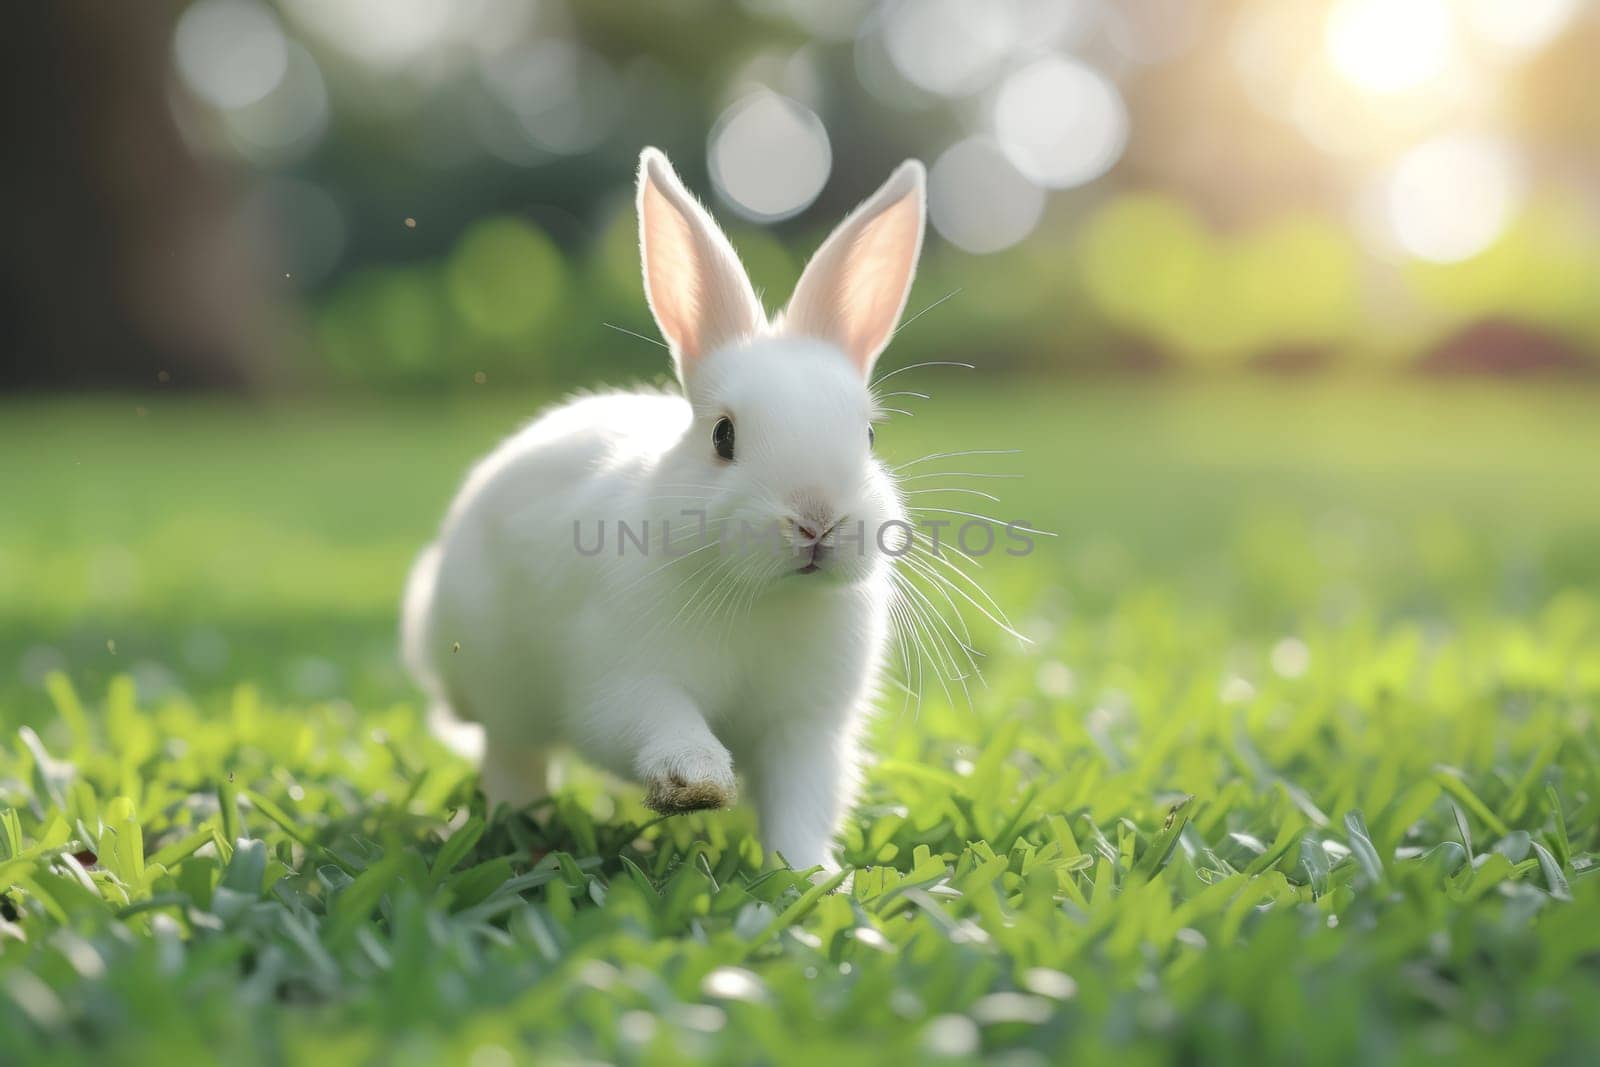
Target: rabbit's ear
pixel 855 287
pixel 697 289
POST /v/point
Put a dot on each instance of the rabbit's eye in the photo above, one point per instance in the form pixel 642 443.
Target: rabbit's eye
pixel 872 436
pixel 722 437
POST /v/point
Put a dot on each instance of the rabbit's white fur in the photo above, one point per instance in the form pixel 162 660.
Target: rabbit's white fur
pixel 675 668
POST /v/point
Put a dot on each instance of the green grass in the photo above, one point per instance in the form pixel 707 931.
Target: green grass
pixel 1304 765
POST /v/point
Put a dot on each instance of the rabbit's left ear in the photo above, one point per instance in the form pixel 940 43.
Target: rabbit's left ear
pixel 855 287
pixel 696 287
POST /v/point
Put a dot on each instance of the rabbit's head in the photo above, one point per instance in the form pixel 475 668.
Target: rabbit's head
pixel 781 442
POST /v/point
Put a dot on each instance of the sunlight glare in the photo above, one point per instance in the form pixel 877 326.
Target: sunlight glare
pixel 1390 46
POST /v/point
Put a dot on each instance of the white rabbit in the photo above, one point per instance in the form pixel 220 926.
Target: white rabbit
pixel 674 665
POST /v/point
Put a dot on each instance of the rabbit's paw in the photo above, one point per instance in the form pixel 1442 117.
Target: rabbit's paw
pixel 691 781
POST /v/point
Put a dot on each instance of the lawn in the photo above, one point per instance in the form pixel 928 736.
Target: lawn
pixel 1302 765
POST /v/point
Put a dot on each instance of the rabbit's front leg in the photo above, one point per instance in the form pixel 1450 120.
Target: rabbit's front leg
pixel 805 782
pixel 653 730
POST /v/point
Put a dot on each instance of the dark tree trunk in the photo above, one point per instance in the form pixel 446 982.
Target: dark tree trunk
pixel 121 263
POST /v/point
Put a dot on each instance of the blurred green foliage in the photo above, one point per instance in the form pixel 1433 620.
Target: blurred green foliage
pixel 1142 269
pixel 1543 270
pixel 1152 269
pixel 505 279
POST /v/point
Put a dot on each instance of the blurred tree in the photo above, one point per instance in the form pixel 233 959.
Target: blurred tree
pixel 121 264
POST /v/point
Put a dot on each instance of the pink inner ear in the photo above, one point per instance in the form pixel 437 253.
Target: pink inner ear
pixel 697 289
pixel 876 277
pixel 854 288
pixel 670 270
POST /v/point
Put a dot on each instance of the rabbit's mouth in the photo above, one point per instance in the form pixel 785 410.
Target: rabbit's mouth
pixel 813 560
pixel 812 545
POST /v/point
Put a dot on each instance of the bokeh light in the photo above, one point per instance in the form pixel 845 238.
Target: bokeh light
pixel 834 20
pixel 978 200
pixel 1390 46
pixel 769 156
pixel 1045 25
pixel 505 278
pixel 305 223
pixel 1522 25
pixel 564 96
pixel 230 53
pixel 879 76
pixel 792 74
pixel 383 34
pixel 1154 31
pixel 284 125
pixel 1060 122
pixel 1543 268
pixel 1450 197
pixel 1329 111
pixel 1270 45
pixel 949 47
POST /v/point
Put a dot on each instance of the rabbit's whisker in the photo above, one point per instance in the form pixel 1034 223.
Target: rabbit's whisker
pixel 740 599
pixel 994 613
pixel 657 570
pixel 923 312
pixel 938 652
pixel 954 489
pixel 709 595
pixel 933 616
pixel 927 551
pixel 905 658
pixel 964 638
pixel 918 366
pixel 631 333
pixel 664 597
pixel 729 583
pixel 952 455
pixel 911 637
pixel 912 686
pixel 987 518
pixel 668 541
pixel 683 512
pixel 934 578
pixel 664 600
pixel 957 474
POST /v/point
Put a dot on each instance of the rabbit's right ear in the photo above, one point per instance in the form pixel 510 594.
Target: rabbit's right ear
pixel 855 287
pixel 697 289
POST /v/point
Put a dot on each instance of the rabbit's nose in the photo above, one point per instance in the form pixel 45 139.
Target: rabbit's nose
pixel 813 531
pixel 812 516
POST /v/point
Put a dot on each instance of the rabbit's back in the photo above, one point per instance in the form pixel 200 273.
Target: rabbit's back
pixel 558 455
pixel 485 608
